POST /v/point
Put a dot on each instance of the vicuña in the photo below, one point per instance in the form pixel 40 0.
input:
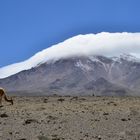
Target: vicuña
pixel 3 95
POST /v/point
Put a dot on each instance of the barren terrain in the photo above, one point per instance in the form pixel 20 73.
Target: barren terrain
pixel 71 118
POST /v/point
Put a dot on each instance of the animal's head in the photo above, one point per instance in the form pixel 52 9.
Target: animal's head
pixel 12 101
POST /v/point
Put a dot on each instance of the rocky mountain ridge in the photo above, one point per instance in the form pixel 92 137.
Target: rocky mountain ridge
pixel 81 75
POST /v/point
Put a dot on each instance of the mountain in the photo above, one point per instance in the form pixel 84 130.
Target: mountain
pixel 81 75
pixel 92 64
pixel 103 44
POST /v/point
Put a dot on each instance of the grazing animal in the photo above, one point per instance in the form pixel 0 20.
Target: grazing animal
pixel 3 95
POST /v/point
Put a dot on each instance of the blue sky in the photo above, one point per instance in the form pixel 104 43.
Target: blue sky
pixel 28 26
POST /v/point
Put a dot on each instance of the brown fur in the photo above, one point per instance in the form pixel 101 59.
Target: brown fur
pixel 3 95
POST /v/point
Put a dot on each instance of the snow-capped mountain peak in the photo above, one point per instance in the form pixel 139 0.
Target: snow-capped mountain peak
pixel 106 44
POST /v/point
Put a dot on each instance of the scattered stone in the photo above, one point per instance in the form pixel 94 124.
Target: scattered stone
pixel 56 139
pixel 86 135
pixel 97 120
pixel 52 117
pixel 54 135
pixel 111 102
pixel 3 115
pixel 45 100
pixel 61 100
pixel 129 119
pixel 16 133
pixel 124 119
pixel 28 121
pixel 10 133
pixel 105 113
pixel 98 137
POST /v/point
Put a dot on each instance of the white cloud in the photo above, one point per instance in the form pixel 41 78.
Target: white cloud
pixel 107 44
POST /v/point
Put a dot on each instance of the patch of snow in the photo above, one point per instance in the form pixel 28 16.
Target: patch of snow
pixel 94 58
pixel 84 67
pixel 127 57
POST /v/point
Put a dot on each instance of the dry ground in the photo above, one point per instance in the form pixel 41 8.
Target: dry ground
pixel 71 118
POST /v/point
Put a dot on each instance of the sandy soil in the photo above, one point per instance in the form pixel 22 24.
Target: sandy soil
pixel 71 118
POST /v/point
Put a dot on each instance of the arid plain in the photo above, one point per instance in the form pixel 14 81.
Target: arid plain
pixel 71 118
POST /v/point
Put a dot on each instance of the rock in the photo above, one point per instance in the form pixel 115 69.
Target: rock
pixel 124 119
pixel 28 121
pixel 3 115
pixel 61 100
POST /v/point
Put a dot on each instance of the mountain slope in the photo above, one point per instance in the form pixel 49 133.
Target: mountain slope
pixel 81 75
pixel 92 64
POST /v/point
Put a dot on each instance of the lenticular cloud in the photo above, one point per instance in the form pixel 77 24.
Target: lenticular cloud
pixel 107 44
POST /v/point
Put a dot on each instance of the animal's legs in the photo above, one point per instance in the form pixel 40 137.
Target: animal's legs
pixel 1 101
